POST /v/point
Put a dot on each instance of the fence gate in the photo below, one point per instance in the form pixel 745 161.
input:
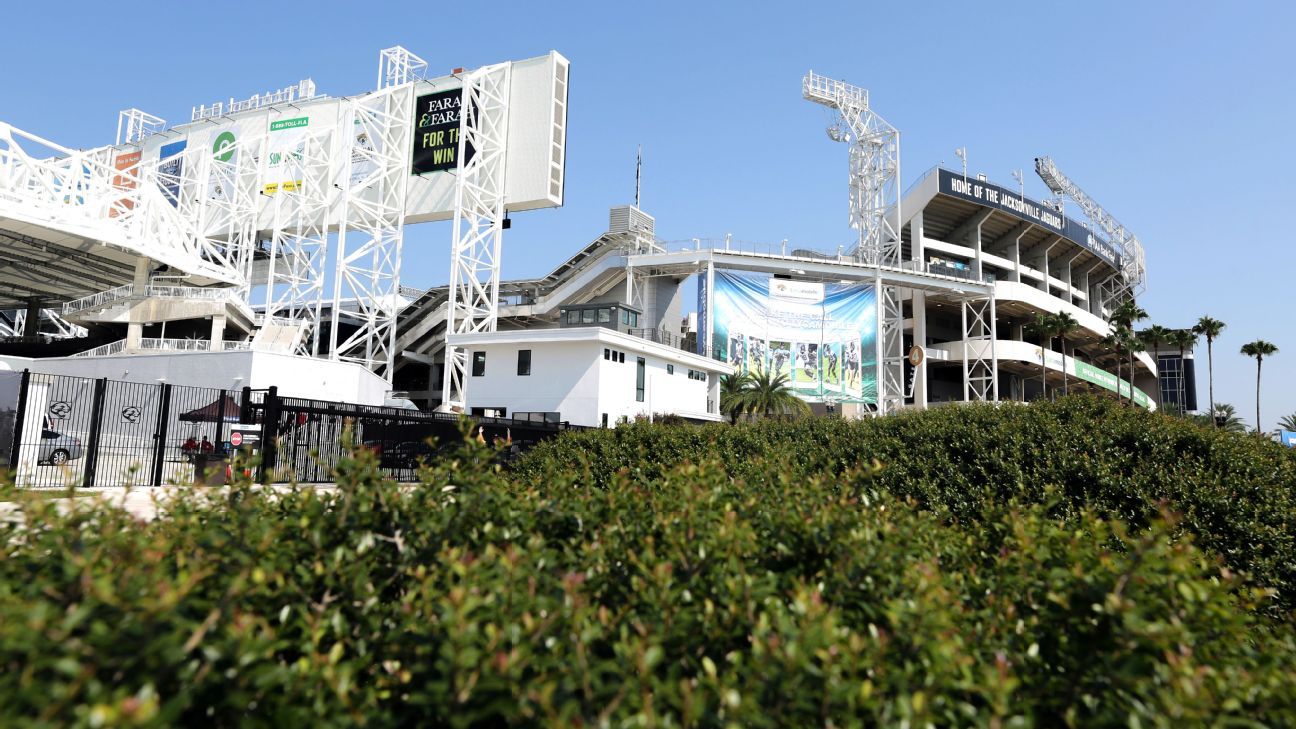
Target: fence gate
pixel 58 431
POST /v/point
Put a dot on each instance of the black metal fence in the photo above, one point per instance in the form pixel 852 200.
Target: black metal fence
pixel 58 431
pixel 308 436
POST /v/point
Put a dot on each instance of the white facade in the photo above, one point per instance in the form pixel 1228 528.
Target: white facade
pixel 589 376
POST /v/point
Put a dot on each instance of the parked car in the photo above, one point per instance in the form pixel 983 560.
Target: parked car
pixel 57 449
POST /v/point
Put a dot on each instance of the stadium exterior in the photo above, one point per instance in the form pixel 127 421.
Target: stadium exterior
pixel 201 254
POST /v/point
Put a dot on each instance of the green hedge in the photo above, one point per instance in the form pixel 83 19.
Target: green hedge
pixel 786 584
pixel 1236 493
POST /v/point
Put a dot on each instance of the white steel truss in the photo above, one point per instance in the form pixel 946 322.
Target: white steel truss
pixel 82 194
pixel 874 166
pixel 298 238
pixel 14 324
pixel 398 66
pixel 478 218
pixel 890 344
pixel 133 125
pixel 980 363
pixel 375 134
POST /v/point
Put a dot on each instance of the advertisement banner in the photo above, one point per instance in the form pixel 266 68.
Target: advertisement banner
pixel 436 133
pixel 365 148
pixel 822 337
pixel 127 166
pixel 171 170
pixel 284 158
pixel 223 175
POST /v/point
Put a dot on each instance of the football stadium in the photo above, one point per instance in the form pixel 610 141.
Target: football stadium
pixel 258 245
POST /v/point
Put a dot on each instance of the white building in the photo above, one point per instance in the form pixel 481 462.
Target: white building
pixel 591 375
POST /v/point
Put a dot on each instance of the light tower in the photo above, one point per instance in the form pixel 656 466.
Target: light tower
pixel 874 166
pixel 874 212
pixel 1133 265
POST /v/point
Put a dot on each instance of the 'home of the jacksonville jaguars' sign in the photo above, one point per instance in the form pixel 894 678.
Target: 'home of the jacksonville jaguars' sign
pixel 990 195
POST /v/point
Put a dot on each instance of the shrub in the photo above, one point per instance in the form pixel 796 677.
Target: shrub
pixel 761 591
pixel 1235 493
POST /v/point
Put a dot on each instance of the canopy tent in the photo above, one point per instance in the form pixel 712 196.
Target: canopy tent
pixel 212 412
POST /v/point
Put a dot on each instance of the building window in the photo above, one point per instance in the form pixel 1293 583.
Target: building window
pixel 524 362
pixel 621 357
pixel 625 317
pixel 479 364
pixel 634 318
pixel 587 316
pixel 573 317
pixel 605 316
pixel 607 353
pixel 640 375
pixel 605 419
pixel 670 369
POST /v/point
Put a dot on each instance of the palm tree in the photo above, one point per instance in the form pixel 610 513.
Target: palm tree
pixel 1063 325
pixel 1288 422
pixel 1154 336
pixel 769 394
pixel 734 395
pixel 1259 349
pixel 1228 419
pixel 1126 316
pixel 1210 328
pixel 1116 343
pixel 1043 325
pixel 1182 338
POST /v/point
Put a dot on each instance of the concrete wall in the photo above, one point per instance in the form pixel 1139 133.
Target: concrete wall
pixel 294 376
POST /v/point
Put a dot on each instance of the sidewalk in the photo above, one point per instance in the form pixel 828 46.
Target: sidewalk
pixel 142 502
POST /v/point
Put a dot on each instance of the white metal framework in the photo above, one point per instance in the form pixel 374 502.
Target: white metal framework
pixel 376 132
pixel 1133 276
pixel 874 166
pixel 397 66
pixel 980 363
pixel 478 218
pixel 133 125
pixel 890 348
pixel 83 194
pixel 298 240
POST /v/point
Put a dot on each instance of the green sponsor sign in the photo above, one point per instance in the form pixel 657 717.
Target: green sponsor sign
pixel 300 121
pixel 223 147
pixel 1107 380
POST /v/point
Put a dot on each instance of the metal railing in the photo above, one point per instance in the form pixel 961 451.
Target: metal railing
pixel 126 291
pixel 190 345
pixel 104 350
pixel 188 292
pixel 157 344
pixel 660 336
pixel 103 298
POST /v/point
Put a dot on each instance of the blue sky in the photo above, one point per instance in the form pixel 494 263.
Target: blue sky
pixel 1179 117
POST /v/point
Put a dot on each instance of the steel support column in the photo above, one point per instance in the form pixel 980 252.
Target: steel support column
pixel 478 219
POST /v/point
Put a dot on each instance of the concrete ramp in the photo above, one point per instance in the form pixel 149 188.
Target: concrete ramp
pixel 280 336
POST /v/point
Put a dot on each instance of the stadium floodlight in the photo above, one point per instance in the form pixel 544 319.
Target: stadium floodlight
pixel 961 153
